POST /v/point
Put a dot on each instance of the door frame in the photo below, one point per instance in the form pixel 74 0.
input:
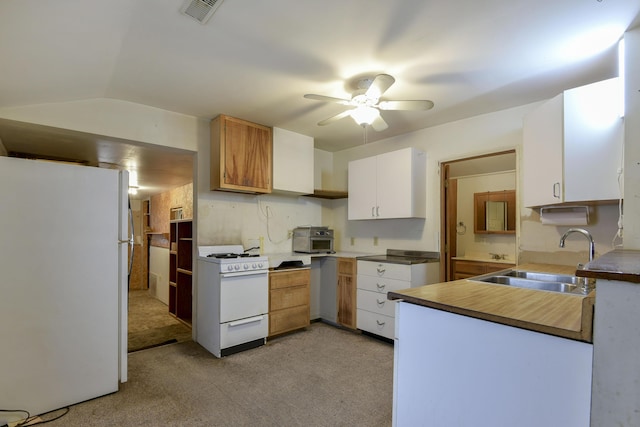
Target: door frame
pixel 449 211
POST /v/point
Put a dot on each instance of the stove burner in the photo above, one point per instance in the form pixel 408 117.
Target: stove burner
pixel 230 255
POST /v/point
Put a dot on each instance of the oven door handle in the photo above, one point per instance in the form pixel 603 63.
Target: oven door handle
pixel 243 273
pixel 245 321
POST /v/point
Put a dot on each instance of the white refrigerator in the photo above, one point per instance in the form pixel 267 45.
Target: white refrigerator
pixel 63 283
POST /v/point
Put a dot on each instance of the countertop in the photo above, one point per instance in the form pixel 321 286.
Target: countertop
pixel 479 258
pixel 554 313
pixel 619 264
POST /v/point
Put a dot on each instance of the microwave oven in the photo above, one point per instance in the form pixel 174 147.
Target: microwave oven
pixel 313 240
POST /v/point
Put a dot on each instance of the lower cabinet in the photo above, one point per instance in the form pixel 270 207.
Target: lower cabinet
pixel 289 300
pixel 453 370
pixel 375 313
pixel 346 298
pixel 463 269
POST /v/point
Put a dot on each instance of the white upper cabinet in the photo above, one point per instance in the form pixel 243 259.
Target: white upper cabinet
pixel 390 185
pixel 292 162
pixel 572 147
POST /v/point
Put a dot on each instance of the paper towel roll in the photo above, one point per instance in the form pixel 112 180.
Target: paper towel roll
pixel 564 217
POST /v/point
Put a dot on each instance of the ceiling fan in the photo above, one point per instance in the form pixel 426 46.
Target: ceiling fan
pixel 365 103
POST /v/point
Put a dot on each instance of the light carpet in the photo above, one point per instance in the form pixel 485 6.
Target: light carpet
pixel 321 376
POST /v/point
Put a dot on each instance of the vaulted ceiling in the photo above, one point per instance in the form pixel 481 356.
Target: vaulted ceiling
pixel 256 59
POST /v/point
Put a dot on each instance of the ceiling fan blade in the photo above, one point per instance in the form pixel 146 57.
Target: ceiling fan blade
pixel 379 124
pixel 335 118
pixel 328 99
pixel 405 105
pixel 379 85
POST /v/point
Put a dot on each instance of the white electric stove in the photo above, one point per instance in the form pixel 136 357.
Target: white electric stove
pixel 233 299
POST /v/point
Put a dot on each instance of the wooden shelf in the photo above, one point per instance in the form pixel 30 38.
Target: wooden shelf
pixel 328 194
pixel 180 269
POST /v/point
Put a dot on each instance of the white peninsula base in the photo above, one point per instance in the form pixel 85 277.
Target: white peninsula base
pixel 452 370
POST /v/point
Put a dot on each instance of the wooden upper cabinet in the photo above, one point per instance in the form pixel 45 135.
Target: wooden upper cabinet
pixel 494 212
pixel 241 155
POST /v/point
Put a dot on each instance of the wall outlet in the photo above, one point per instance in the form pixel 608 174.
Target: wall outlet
pixel 353 241
pixel 375 241
pixel 290 234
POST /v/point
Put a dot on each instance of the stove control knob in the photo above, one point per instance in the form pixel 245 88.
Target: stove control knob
pixel 246 266
pixel 237 266
pixel 254 266
pixel 230 267
pixel 259 265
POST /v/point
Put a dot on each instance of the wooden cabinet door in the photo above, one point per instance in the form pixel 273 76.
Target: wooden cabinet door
pixel 347 292
pixel 241 155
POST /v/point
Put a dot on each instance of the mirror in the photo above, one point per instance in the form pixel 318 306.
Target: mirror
pixel 496 216
pixel 495 212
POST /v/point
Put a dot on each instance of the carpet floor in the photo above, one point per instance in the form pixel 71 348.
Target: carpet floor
pixel 150 324
pixel 321 376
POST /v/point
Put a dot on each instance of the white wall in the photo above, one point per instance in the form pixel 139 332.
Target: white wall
pixel 234 218
pixel 469 243
pixel 114 118
pixel 483 134
pixel 493 132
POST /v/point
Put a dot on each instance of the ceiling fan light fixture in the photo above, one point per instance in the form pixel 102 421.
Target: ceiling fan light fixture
pixel 364 115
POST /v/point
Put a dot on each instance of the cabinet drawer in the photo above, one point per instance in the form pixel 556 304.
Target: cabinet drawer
pixel 288 297
pixel 288 319
pixel 285 279
pixel 376 324
pixel 376 303
pixel 383 269
pixel 382 285
pixel 470 268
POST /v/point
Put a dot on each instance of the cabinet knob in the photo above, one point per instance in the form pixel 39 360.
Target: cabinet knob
pixel 380 303
pixel 380 287
pixel 381 324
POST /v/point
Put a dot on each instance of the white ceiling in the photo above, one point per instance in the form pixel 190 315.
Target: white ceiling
pixel 256 59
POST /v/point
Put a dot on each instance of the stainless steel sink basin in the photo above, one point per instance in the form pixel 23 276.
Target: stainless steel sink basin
pixel 534 280
pixel 547 277
pixel 531 284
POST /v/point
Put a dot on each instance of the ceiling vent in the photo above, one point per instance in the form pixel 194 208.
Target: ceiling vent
pixel 200 10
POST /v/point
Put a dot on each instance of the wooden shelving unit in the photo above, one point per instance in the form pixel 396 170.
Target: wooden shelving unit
pixel 180 269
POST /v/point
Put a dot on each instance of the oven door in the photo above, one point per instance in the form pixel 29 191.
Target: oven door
pixel 243 295
pixel 321 244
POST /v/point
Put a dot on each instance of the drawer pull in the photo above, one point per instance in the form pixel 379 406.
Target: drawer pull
pixel 380 303
pixel 380 323
pixel 381 270
pixel 380 287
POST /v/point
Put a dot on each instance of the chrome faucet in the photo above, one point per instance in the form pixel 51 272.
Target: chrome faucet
pixel 585 233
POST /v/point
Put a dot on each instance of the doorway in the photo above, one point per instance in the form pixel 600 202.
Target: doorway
pixel 452 223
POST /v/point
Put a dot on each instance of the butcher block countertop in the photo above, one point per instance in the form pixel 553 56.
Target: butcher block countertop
pixel 554 313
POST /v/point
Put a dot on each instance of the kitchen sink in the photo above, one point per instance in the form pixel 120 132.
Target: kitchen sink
pixel 534 280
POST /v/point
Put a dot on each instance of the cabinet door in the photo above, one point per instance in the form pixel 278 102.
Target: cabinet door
pixel 362 199
pixel 593 139
pixel 542 135
pixel 394 189
pixel 241 156
pixel 247 155
pixel 293 166
pixel 347 292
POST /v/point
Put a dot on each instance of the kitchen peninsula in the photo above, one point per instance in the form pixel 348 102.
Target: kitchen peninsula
pixel 473 353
